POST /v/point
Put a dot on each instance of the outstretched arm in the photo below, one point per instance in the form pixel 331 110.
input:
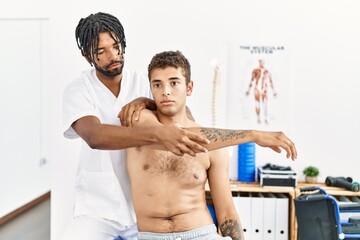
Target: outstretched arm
pixel 220 138
pixel 224 137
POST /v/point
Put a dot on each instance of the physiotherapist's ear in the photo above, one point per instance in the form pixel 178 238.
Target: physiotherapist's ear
pixel 189 87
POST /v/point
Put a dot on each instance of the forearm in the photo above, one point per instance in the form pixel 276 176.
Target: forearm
pixel 231 228
pixel 110 137
pixel 220 138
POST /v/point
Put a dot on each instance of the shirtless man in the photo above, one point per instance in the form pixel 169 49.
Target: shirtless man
pixel 168 191
pixel 261 79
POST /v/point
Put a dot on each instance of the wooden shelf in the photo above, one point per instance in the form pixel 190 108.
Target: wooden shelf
pixel 291 192
pixel 335 191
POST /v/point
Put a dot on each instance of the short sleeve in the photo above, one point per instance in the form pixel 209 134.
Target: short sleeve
pixel 78 102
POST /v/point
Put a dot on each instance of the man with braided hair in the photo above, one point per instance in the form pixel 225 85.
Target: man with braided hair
pixel 91 104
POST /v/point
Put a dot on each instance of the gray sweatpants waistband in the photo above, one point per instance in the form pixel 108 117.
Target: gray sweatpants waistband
pixel 197 233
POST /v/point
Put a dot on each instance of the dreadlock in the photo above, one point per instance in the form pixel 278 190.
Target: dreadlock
pixel 88 30
pixel 171 59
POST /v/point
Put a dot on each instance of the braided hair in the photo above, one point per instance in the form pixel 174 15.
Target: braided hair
pixel 88 30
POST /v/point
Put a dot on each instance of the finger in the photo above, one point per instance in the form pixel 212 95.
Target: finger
pixel 187 150
pixel 286 145
pixel 197 138
pixel 191 147
pixel 287 149
pixel 129 119
pixel 127 116
pixel 193 143
pixel 177 152
pixel 292 149
pixel 276 149
pixel 121 115
pixel 197 148
pixel 294 152
pixel 136 114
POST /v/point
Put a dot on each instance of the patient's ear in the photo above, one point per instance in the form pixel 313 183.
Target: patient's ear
pixel 189 88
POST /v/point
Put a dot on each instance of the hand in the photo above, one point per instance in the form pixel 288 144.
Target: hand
pixel 131 111
pixel 276 141
pixel 180 141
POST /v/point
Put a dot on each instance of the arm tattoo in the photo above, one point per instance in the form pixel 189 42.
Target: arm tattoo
pixel 222 134
pixel 232 229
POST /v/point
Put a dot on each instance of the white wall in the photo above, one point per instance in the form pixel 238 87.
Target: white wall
pixel 324 38
pixel 24 168
pixel 25 106
pixel 326 110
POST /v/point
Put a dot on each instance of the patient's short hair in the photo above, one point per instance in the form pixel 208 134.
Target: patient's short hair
pixel 170 59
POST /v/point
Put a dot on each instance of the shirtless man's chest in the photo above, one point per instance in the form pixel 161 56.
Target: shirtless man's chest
pixel 168 189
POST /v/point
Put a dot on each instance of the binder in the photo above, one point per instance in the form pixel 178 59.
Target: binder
pixel 282 217
pixel 257 209
pixel 244 212
pixel 269 217
pixel 236 200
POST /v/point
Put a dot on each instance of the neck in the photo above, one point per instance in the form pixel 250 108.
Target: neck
pixel 112 83
pixel 179 118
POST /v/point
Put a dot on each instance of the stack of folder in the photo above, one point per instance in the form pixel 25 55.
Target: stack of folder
pixel 264 216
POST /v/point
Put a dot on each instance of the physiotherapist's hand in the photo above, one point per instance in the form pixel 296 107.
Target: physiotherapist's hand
pixel 276 141
pixel 131 111
pixel 180 141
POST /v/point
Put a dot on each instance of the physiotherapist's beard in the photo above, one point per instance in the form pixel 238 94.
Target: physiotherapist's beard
pixel 110 73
